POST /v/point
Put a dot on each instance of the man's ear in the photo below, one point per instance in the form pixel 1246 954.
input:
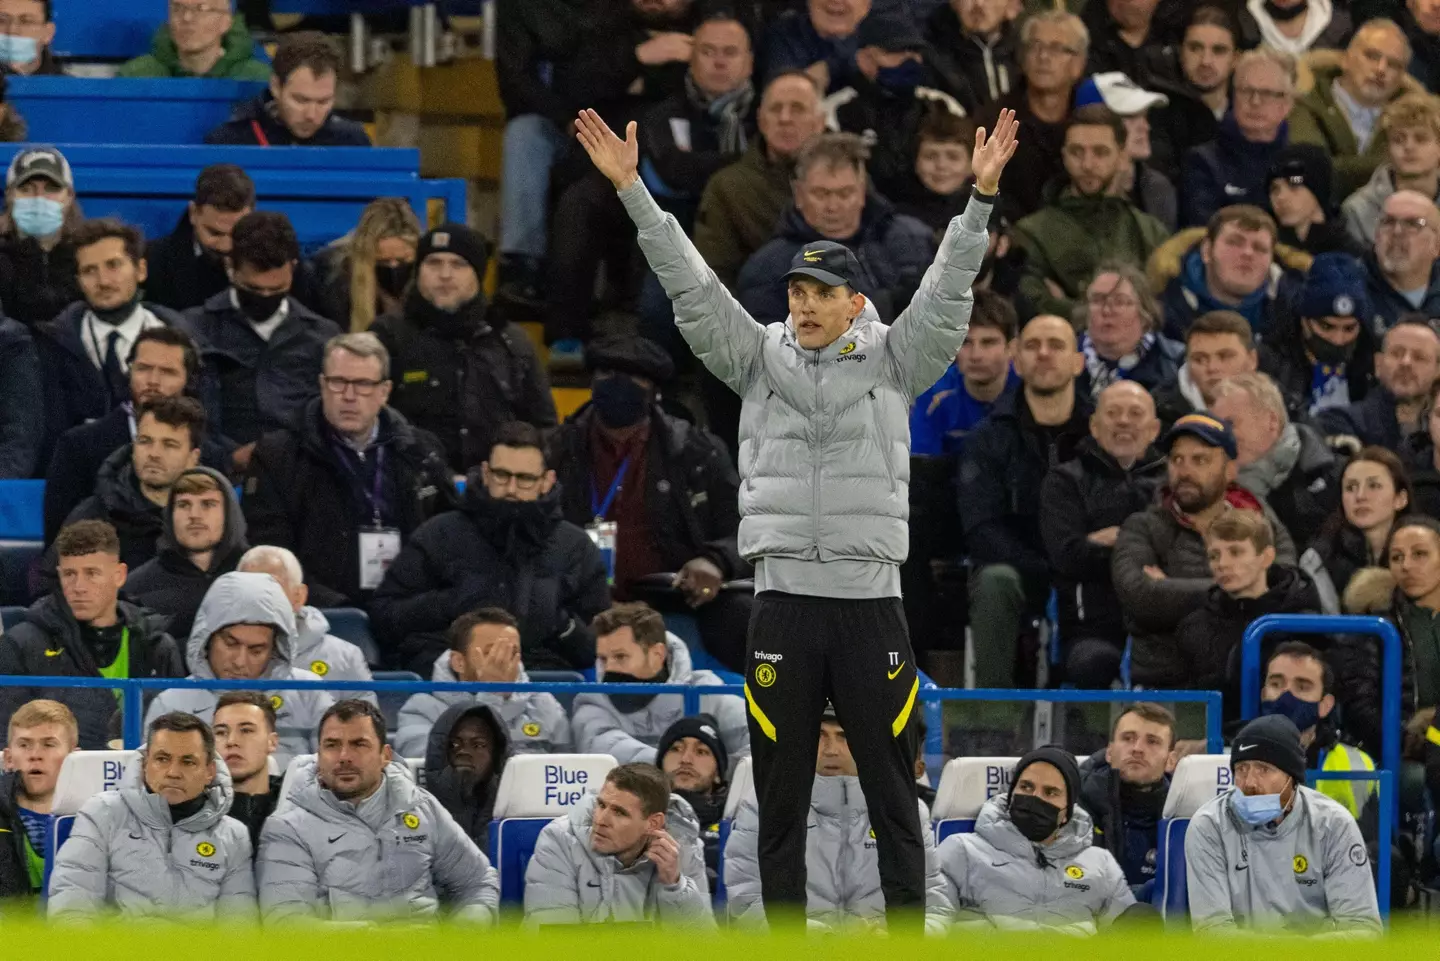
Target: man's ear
pixel 1327 704
pixel 457 663
pixel 1267 557
pixel 656 821
pixel 857 305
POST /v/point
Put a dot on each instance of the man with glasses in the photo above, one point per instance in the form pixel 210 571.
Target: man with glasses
pixel 505 547
pixel 202 39
pixel 348 469
pixel 27 28
pixel 1402 274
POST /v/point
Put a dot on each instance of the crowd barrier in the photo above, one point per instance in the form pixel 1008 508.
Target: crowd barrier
pixel 125 110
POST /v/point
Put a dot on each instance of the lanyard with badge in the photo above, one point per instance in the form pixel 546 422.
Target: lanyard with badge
pixel 605 534
pixel 379 545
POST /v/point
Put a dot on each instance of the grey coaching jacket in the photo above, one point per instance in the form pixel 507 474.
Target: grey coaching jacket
pixel 534 720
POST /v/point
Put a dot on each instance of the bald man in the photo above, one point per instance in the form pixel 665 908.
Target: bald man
pixel 1083 502
pixel 1402 276
pixel 1005 462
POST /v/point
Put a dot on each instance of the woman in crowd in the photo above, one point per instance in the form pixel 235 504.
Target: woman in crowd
pixel 1121 341
pixel 1374 491
pixel 364 274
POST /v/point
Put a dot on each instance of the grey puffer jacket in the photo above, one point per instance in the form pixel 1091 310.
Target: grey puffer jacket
pixel 325 655
pixel 397 854
pixel 824 435
pixel 994 878
pixel 535 721
pixel 568 883
pixel 842 869
pixel 240 598
pixel 602 728
pixel 126 855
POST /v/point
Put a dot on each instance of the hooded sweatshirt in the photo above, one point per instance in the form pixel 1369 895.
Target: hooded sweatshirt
pixel 237 61
pixel 325 655
pixel 567 882
pixel 238 598
pixel 396 854
pixel 170 582
pixel 470 807
pixel 534 722
pixel 127 854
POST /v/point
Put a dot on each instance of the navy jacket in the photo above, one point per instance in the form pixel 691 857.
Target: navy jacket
pixel 1372 420
pixel 1387 302
pixel 178 278
pixel 793 43
pixel 240 129
pixel 22 419
pixel 1230 170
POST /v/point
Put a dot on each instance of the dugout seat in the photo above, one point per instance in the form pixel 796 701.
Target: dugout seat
pixel 966 783
pixel 1197 779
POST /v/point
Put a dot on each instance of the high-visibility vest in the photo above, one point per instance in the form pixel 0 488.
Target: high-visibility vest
pixel 1351 794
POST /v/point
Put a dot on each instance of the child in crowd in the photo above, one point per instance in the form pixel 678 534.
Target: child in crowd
pixel 941 186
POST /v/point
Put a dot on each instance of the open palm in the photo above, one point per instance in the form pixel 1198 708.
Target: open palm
pixel 615 158
pixel 994 152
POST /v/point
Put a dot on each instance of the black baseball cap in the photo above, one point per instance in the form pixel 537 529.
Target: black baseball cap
pixel 825 261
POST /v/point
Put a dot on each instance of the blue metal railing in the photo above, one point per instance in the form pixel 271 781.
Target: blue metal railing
pixel 1389 797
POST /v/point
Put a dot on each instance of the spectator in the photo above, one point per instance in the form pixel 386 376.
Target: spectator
pixel 1298 186
pixel 823 41
pixel 133 488
pixel 1234 266
pixel 948 413
pixel 936 186
pixel 1404 269
pixel 245 631
pixel 187 267
pixel 22 421
pixel 1160 564
pixel 425 860
pixel 1330 360
pixel 974 45
pixel 465 756
pixel 462 375
pixel 1285 464
pixel 840 854
pixel 1120 319
pixel 507 542
pixel 692 754
pixel 1422 463
pixel 1137 179
pixel 261 348
pixel 1406 368
pixel 1341 113
pixel 485 649
pixel 1375 492
pixel 202 538
pixel 1132 38
pixel 1421 22
pixel 38 737
pixel 119 855
pixel 1232 169
pixel 203 38
pixel 312 486
pixel 245 740
pixel 1410 125
pixel 38 273
pixel 1053 48
pixel 1244 826
pixel 633 647
pixel 364 274
pixel 1295 27
pixel 1218 345
pixel 1083 502
pixel 1083 224
pixel 1208 53
pixel 298 108
pixel 1007 874
pixel 29 30
pixel 1124 790
pixel 319 651
pixel 832 204
pixel 631 853
pixel 669 486
pixel 1006 459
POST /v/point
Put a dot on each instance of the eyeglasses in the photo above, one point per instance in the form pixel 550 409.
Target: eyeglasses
pixel 1402 225
pixel 194 11
pixel 1260 94
pixel 339 385
pixel 1056 50
pixel 503 478
pixel 1116 301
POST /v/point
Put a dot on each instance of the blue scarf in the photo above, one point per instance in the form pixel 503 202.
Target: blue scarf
pixel 1252 308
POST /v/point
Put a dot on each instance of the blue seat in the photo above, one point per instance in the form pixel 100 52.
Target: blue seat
pixel 512 843
pixel 60 828
pixel 391 701
pixel 89 30
pixel 22 510
pixel 353 625
pixel 558 677
pixel 721 895
pixel 1169 894
pixel 12 616
pixel 125 110
pixel 948 826
pixel 16 557
pixel 1197 780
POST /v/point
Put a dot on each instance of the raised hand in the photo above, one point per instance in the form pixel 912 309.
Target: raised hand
pixel 615 158
pixel 993 153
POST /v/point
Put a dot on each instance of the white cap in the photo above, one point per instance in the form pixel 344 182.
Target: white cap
pixel 1118 92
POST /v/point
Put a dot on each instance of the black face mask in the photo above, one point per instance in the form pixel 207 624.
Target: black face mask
pixel 630 703
pixel 116 315
pixel 392 278
pixel 258 307
pixel 1324 352
pixel 619 401
pixel 1033 817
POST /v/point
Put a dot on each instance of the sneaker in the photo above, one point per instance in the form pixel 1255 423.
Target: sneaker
pixel 567 354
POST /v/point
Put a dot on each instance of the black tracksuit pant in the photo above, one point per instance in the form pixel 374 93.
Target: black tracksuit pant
pixel 803 650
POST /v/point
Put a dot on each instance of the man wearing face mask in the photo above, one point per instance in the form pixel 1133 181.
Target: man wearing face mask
pixel 37 250
pixel 668 486
pixel 1330 360
pixel 29 30
pixel 1273 855
pixel 187 267
pixel 462 371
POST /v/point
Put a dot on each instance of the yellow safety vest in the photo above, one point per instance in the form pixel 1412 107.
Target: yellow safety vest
pixel 1352 794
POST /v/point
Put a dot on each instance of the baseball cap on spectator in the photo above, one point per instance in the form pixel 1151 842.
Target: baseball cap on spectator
pixel 1334 287
pixel 1122 95
pixel 464 242
pixel 44 162
pixel 894 34
pixel 826 261
pixel 630 355
pixel 1303 165
pixel 1273 739
pixel 703 728
pixel 1208 430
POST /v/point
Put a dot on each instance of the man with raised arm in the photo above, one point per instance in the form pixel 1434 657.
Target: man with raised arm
pixel 824 456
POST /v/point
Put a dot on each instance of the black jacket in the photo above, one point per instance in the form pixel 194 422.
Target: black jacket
pixel 1359 689
pixel 691 489
pixel 170 583
pixel 684 169
pixel 1006 460
pixel 178 278
pixel 1078 497
pixel 22 419
pixel 979 72
pixel 522 557
pixel 533 38
pixel 890 121
pixel 76 462
pixel 300 496
pixel 1036 161
pixel 1419 455
pixel 1311 494
pixel 1109 51
pixel 36 284
pixel 14 859
pixel 709 812
pixel 251 386
pixel 462 389
pixel 1372 420
pixel 254 123
pixel 251 810
pixel 1283 358
pixel 471 807
pixel 49 644
pixel 1128 831
pixel 118 500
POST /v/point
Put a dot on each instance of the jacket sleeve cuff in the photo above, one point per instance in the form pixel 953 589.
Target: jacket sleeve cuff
pixel 976 218
pixel 643 209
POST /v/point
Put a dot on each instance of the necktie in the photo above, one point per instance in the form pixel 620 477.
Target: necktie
pixel 115 379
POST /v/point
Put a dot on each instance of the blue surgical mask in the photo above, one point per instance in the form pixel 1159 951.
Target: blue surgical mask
pixel 1256 809
pixel 1304 714
pixel 37 216
pixel 901 79
pixel 18 50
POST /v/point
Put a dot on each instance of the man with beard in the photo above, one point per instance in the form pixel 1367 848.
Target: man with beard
pixel 1207 57
pixel 1160 565
pixel 187 267
pixel 692 754
pixel 1406 368
pixel 461 374
pixel 39 736
pixel 465 756
pixel 506 546
pixel 1403 271
pixel 1124 789
pixel 245 739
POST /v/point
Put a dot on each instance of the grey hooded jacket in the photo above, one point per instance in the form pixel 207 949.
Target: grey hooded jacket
pixel 535 721
pixel 126 855
pixel 824 435
pixel 240 598
pixel 842 868
pixel 994 878
pixel 1362 209
pixel 325 655
pixel 1309 875
pixel 397 854
pixel 568 883
pixel 602 728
